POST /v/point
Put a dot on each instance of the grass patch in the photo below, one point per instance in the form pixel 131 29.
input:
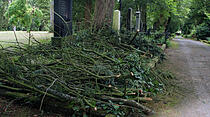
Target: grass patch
pixel 8 37
pixel 7 44
pixel 173 45
pixel 43 41
pixel 206 42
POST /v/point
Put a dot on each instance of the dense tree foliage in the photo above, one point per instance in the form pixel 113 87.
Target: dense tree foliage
pixel 21 13
pixel 44 6
pixel 3 20
pixel 190 16
pixel 197 22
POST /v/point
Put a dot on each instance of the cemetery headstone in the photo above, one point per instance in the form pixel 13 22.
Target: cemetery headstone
pixel 116 20
pixel 62 21
pixel 138 20
pixel 129 19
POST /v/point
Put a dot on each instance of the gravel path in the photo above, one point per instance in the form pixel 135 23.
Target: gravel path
pixel 191 64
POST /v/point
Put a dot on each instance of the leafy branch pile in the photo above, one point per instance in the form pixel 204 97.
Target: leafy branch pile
pixel 92 73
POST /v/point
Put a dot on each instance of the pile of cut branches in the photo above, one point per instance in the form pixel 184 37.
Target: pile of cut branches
pixel 92 73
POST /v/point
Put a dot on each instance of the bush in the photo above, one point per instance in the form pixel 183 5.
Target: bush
pixel 192 34
pixel 202 31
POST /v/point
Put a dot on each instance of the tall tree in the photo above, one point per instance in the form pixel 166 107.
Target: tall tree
pixel 103 12
pixel 142 6
pixel 88 9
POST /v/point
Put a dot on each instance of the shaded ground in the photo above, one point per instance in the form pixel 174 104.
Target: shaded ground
pixel 190 62
pixel 8 108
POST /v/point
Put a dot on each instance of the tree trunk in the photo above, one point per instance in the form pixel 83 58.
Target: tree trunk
pixel 103 12
pixel 88 9
pixel 160 22
pixel 144 17
pixel 167 23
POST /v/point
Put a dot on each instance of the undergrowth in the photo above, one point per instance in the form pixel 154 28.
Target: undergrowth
pixel 92 73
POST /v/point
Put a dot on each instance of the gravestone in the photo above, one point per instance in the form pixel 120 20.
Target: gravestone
pixel 116 20
pixel 62 20
pixel 129 19
pixel 138 20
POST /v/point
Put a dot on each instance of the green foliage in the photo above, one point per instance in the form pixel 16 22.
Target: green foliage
pixel 172 44
pixel 187 28
pixel 149 45
pixel 197 21
pixel 175 24
pixel 20 12
pixel 113 110
pixel 3 21
pixel 44 7
pixel 158 12
pixel 202 31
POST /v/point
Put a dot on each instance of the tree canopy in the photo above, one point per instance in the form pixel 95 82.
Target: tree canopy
pixel 161 15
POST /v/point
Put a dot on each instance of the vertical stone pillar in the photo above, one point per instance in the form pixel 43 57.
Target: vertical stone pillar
pixel 116 23
pixel 62 21
pixel 116 20
pixel 129 19
pixel 138 21
pixel 62 18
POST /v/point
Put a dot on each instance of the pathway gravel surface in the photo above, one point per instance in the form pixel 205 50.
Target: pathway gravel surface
pixel 191 63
